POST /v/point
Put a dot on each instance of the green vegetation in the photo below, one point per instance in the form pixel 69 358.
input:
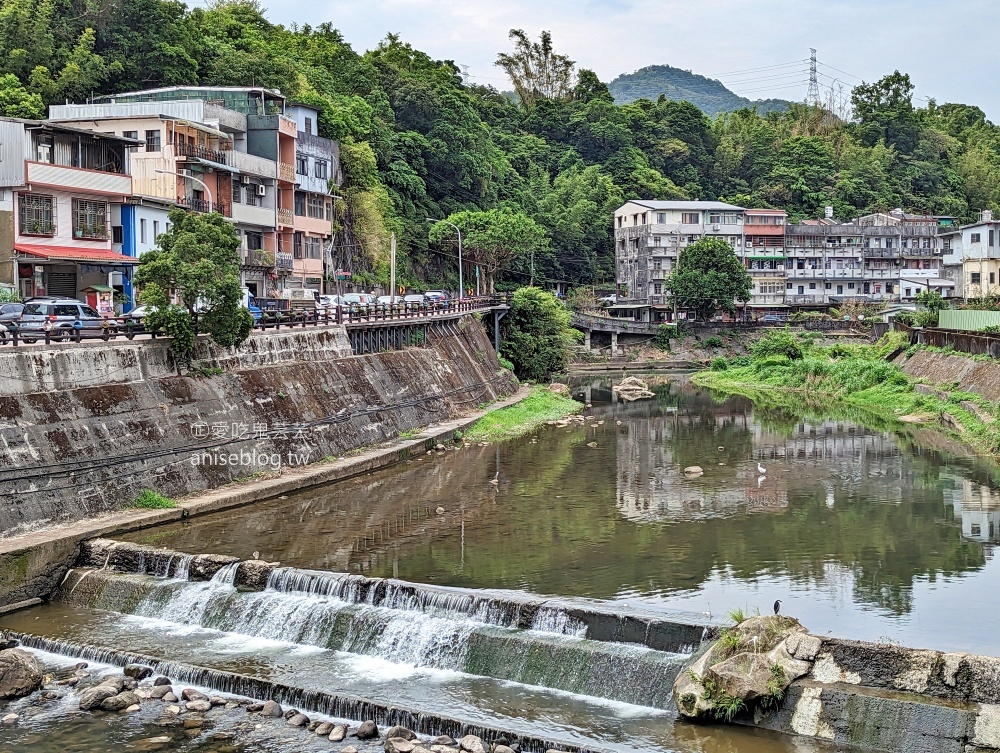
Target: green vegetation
pixel 536 335
pixel 148 499
pixel 709 277
pixel 785 373
pixel 524 417
pixel 197 259
pixel 714 342
pixel 418 142
pixel 664 334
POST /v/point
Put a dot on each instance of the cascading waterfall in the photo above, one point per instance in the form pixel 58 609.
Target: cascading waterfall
pixel 399 623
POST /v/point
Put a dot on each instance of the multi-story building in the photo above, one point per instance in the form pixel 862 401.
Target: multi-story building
pixel 649 236
pixel 823 265
pixel 58 185
pixel 227 149
pixel 317 168
pixel 980 244
pixel 764 257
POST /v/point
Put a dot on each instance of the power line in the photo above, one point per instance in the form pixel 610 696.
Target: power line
pixel 762 68
pixel 812 95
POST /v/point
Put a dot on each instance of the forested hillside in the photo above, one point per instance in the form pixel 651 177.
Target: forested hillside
pixel 708 95
pixel 542 174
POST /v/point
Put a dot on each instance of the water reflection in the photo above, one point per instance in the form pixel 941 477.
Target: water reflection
pixel 856 526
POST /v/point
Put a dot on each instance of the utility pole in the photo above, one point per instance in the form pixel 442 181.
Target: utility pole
pixel 477 280
pixel 532 283
pixel 392 269
pixel 812 96
pixel 461 284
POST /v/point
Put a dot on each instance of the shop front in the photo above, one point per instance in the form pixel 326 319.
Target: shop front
pixel 75 273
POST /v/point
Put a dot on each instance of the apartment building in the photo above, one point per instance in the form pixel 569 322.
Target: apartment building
pixel 824 264
pixel 649 236
pixel 764 258
pixel 980 247
pixel 58 185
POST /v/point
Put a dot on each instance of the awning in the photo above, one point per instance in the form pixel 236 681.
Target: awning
pixel 70 253
pixel 213 165
pixel 198 126
pixel 937 282
pixel 768 305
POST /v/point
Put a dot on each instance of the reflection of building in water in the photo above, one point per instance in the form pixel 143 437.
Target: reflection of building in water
pixel 828 455
pixel 978 507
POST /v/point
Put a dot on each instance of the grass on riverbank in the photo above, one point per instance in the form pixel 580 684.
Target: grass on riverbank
pixel 523 417
pixel 147 499
pixel 782 370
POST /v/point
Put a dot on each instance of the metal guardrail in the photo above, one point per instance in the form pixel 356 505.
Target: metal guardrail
pixel 356 317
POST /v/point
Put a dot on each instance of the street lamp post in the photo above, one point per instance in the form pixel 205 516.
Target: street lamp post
pixel 328 254
pixel 461 290
pixel 208 191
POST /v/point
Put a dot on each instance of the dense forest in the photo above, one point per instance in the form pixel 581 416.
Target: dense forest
pixel 707 94
pixel 536 177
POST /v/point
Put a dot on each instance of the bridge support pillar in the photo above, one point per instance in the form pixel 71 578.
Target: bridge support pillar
pixel 586 339
pixel 614 344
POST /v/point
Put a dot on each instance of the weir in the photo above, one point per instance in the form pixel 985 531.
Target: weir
pixel 396 623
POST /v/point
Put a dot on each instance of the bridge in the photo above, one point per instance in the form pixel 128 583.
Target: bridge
pixel 590 323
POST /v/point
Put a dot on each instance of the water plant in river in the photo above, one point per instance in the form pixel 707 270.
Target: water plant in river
pixel 517 420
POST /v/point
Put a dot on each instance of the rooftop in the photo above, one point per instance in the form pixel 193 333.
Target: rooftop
pixel 686 205
pixel 47 125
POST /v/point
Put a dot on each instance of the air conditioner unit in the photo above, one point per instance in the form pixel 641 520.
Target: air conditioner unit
pixel 261 189
pixel 716 227
pixel 245 180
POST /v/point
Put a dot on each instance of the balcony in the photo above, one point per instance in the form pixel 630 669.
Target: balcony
pixel 658 274
pixel 257 258
pixel 251 164
pixel 805 300
pixel 203 205
pixel 287 126
pixel 283 262
pixel 78 179
pixel 780 272
pixel 185 149
pixel 881 253
pixel 286 172
pixel 285 217
pixel 253 215
pixel 922 252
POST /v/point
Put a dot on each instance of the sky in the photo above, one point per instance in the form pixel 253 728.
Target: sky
pixel 945 46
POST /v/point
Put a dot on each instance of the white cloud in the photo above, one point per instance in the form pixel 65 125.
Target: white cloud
pixel 946 50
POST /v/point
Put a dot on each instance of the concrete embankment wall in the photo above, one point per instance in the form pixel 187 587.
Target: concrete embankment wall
pixel 892 698
pixel 980 377
pixel 84 428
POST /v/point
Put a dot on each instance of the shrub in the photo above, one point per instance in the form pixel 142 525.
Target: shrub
pixel 714 341
pixel 147 499
pixel 905 318
pixel 777 344
pixel 506 364
pixel 719 364
pixel 993 329
pixel 536 334
pixel 664 334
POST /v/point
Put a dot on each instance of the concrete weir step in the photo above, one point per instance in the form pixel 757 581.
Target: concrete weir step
pixel 338 705
pixel 669 631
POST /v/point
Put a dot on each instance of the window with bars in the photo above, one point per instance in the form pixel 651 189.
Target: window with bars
pixel 90 219
pixel 314 207
pixel 314 248
pixel 322 169
pixel 37 215
pixel 301 165
pixel 297 249
pixel 153 141
pixel 300 205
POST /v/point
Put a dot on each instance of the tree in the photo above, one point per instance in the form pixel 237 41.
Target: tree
pixel 708 277
pixel 536 334
pixel 18 102
pixel 536 71
pixel 884 110
pixel 492 239
pixel 197 261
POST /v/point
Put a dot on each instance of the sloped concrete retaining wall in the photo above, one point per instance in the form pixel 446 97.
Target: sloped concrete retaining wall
pixel 84 428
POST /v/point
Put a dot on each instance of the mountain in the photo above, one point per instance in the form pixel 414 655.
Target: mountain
pixel 707 94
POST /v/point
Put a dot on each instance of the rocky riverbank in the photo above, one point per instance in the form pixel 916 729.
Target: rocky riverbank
pixel 160 714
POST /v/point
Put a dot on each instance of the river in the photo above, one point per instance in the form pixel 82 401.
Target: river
pixel 862 531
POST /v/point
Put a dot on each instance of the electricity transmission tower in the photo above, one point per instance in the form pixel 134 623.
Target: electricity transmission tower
pixel 812 96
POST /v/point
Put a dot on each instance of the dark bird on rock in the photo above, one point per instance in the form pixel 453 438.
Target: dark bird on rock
pixel 777 606
pixel 9 644
pixel 256 555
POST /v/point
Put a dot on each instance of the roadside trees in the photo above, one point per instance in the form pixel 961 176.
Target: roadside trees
pixel 536 334
pixel 197 263
pixel 709 277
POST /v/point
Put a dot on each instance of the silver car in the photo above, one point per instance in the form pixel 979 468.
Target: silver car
pixel 61 317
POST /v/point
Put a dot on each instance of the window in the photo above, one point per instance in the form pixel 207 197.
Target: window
pixel 993 278
pixel 131 135
pixel 812 285
pixel 975 238
pixel 309 125
pixel 37 215
pixel 723 218
pixel 153 141
pixel 850 286
pixel 322 169
pixel 840 290
pixel 297 246
pixel 117 235
pixel 802 290
pixel 329 211
pixel 156 230
pixel 314 206
pixel 661 218
pixel 300 205
pixel 314 248
pixel 657 288
pixel 788 286
pixel 301 165
pixel 90 219
pixel 992 235
pixel 255 241
pixel 828 285
pixel 657 240
pixel 142 231
pixel 44 147
pixel 975 529
pixel 975 278
pixel 689 218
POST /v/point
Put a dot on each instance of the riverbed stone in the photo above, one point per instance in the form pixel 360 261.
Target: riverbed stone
pixel 205 566
pixel 502 749
pixel 137 671
pixel 367 731
pixel 9 718
pixel 93 697
pixel 253 574
pixel 694 470
pixel 400 731
pixel 133 708
pixel 472 744
pixel 297 720
pixel 161 680
pixel 323 729
pixel 271 708
pixel 120 702
pixel 158 691
pixel 443 740
pixel 338 733
pixel 20 673
pixel 399 745
pixel 170 697
pixel 190 694
pixel 349 749
pixel 199 705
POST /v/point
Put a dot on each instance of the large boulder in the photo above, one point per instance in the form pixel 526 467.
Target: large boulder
pixel 749 667
pixel 20 673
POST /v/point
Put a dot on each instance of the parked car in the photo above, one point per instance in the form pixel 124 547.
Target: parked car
pixel 358 299
pixel 62 317
pixel 415 300
pixel 608 300
pixel 328 302
pixel 9 314
pixel 773 319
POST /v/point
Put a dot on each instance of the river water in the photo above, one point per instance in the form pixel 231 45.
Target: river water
pixel 862 530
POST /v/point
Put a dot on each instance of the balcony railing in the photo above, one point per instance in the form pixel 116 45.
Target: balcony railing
pixel 882 253
pixel 658 274
pixel 204 205
pixel 924 252
pixel 283 262
pixel 285 217
pixel 286 172
pixel 257 257
pixel 185 149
